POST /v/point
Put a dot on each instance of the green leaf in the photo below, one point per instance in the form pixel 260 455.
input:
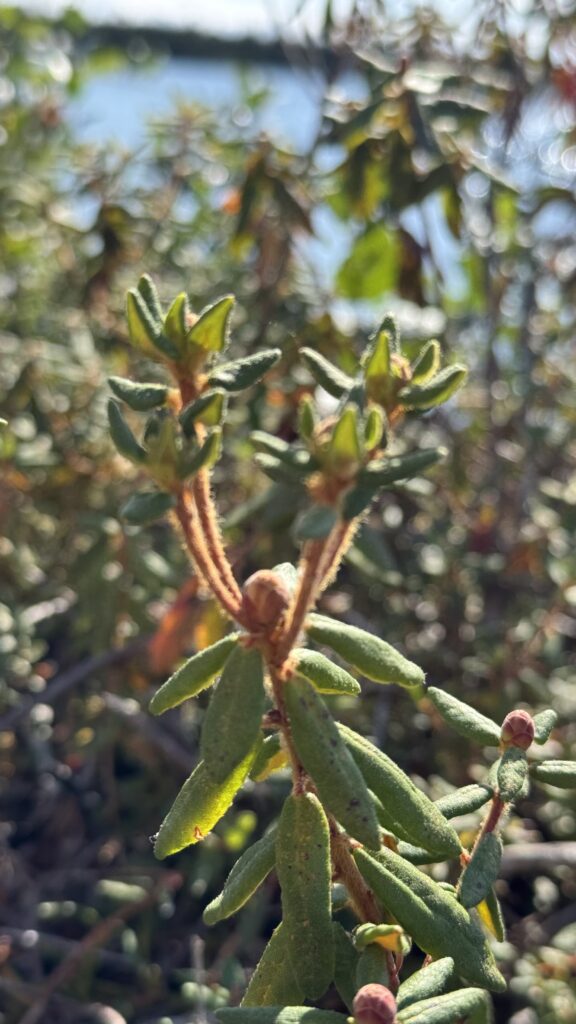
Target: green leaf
pixel 481 871
pixel 204 457
pixel 243 373
pixel 273 984
pixel 339 782
pixel 427 364
pixel 279 470
pixel 433 917
pixel 270 757
pixel 372 967
pixel 323 673
pixel 358 499
pixel 246 876
pixel 123 437
pixel 194 675
pixel 278 1015
pixel 374 428
pixel 210 332
pixel 439 389
pixel 176 322
pixel 304 871
pixel 428 981
pixel 490 913
pixel 512 775
pixel 328 376
pixel 147 290
pixel 400 467
pixel 315 523
pixel 208 409
pixel 556 773
pixel 145 508
pixel 464 801
pixel 140 397
pixel 371 268
pixel 464 719
pixel 231 726
pixel 391 937
pixel 145 331
pixel 417 816
pixel 198 807
pixel 296 458
pixel 470 1004
pixel 544 722
pixel 345 964
pixel 306 418
pixel 371 656
pixel 344 449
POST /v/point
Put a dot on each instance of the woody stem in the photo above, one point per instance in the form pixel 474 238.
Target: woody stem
pixel 196 544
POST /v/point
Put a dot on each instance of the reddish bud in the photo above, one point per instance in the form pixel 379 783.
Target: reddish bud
pixel 374 1004
pixel 517 730
pixel 265 599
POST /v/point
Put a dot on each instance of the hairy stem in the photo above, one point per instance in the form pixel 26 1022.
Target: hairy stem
pixel 209 521
pixel 337 546
pixel 304 597
pixel 196 544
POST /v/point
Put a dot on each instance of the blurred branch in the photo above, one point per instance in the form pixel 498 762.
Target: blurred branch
pixel 532 858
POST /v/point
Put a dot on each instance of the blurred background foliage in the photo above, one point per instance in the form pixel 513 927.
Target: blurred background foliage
pixel 444 191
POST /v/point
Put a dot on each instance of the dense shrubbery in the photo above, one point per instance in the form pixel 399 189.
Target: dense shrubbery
pixel 472 571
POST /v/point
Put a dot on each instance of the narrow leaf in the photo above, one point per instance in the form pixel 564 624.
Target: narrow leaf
pixel 345 964
pixel 140 397
pixel 208 409
pixel 463 718
pixel 470 1004
pixel 206 456
pixel 428 981
pixel 243 373
pixel 417 816
pixel 556 773
pixel 490 913
pixel 328 376
pixel 246 876
pixel 481 871
pixel 176 322
pixel 278 1015
pixel 145 508
pixel 433 917
pixel 198 807
pixel 271 756
pixel 304 871
pixel 322 752
pixel 144 329
pixel 123 437
pixel 273 984
pixel 374 428
pixel 439 389
pixel 194 675
pixel 232 723
pixel 372 967
pixel 315 523
pixel 512 774
pixel 149 293
pixel 344 449
pixel 427 364
pixel 210 331
pixel 544 722
pixel 323 673
pixel 464 801
pixel 400 467
pixel 368 654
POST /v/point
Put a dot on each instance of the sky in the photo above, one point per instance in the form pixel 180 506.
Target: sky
pixel 222 17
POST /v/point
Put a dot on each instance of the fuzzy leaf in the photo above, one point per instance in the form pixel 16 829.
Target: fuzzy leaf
pixel 304 871
pixel 140 397
pixel 123 437
pixel 390 937
pixel 144 329
pixel 315 523
pixel 194 675
pixel 246 876
pixel 418 817
pixel 556 773
pixel 208 409
pixel 370 655
pixel 306 418
pixel 344 449
pixel 323 673
pixel 273 985
pixel 372 967
pixel 145 508
pixel 400 467
pixel 339 782
pixel 490 913
pixel 428 981
pixel 278 1015
pixel 377 365
pixel 176 322
pixel 544 722
pixel 243 373
pixel 463 718
pixel 469 1004
pixel 207 455
pixel 345 964
pixel 374 428
pixel 210 331
pixel 147 290
pixel 433 917
pixel 271 756
pixel 512 774
pixel 427 363
pixel 358 499
pixel 198 807
pixel 481 871
pixel 231 726
pixel 464 801
pixel 437 390
pixel 328 376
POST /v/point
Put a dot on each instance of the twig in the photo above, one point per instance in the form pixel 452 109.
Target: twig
pixel 196 544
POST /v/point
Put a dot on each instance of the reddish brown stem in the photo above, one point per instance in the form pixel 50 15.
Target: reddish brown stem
pixel 304 597
pixel 339 542
pixel 297 769
pixel 195 542
pixel 209 522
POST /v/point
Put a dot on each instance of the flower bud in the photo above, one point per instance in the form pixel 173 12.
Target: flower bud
pixel 374 1004
pixel 265 598
pixel 517 730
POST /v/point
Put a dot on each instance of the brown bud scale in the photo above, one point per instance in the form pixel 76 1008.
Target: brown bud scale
pixel 518 730
pixel 374 1004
